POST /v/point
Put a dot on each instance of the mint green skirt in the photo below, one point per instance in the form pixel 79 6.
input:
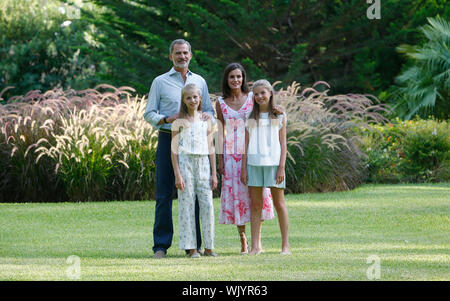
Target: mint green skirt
pixel 264 176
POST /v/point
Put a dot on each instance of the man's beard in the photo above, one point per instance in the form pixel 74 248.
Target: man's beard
pixel 182 65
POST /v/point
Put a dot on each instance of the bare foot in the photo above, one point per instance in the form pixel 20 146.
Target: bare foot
pixel 255 251
pixel 285 251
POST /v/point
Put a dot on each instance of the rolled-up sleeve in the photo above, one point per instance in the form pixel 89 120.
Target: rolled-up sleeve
pixel 151 114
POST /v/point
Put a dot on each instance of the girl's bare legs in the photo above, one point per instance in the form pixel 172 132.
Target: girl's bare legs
pixel 244 243
pixel 260 227
pixel 283 219
pixel 255 218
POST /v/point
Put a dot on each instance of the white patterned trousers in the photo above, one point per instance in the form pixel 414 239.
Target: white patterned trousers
pixel 196 173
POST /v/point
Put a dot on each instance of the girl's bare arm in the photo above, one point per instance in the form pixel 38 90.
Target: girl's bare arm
pixel 220 136
pixel 244 175
pixel 179 182
pixel 212 157
pixel 281 168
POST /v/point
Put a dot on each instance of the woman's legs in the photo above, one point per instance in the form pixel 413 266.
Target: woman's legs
pixel 255 218
pixel 283 219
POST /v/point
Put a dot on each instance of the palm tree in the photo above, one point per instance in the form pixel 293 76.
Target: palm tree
pixel 423 88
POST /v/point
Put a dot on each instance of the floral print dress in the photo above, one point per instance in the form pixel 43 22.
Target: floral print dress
pixel 235 198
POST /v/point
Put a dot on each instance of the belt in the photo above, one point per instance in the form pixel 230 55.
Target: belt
pixel 165 131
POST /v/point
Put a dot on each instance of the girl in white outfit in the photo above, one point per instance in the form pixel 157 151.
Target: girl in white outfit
pixel 263 164
pixel 194 165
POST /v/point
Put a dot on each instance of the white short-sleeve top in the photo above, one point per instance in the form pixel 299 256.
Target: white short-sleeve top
pixel 194 138
pixel 264 147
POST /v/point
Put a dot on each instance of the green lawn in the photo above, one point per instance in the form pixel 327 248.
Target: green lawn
pixel 332 235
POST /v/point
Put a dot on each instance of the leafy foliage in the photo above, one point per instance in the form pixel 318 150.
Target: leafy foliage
pixel 283 40
pixel 408 151
pixel 424 87
pixel 45 47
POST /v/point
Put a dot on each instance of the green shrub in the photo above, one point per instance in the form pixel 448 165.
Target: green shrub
pixel 44 45
pixel 409 151
pixel 426 150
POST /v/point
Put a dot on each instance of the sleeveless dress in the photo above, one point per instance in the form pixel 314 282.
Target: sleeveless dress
pixel 235 198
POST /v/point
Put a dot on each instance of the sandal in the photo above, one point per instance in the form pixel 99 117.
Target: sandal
pixel 195 255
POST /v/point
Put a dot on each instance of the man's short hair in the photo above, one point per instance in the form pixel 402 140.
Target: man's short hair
pixel 179 41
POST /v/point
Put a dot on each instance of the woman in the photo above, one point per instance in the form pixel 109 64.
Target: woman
pixel 233 109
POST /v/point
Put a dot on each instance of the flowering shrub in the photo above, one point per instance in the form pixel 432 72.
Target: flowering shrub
pixel 408 151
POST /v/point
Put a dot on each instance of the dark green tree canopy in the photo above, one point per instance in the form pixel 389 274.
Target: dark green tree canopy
pixel 125 43
pixel 279 39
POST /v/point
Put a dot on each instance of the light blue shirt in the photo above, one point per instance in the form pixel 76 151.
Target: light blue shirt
pixel 164 97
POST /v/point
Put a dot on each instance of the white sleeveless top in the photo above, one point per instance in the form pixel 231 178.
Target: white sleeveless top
pixel 264 147
pixel 194 138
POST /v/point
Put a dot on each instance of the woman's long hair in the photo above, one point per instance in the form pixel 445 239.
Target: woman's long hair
pixel 226 91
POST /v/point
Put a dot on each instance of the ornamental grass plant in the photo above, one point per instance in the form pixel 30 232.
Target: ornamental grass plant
pixel 88 145
pixel 323 144
pixel 94 145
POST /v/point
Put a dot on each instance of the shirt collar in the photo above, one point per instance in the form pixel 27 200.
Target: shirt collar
pixel 173 71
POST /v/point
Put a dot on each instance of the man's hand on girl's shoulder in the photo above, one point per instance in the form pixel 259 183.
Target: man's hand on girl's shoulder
pixel 278 109
pixel 205 116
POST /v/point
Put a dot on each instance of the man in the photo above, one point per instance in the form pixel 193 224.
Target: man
pixel 162 109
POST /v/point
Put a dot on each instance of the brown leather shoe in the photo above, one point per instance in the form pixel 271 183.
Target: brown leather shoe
pixel 211 253
pixel 159 254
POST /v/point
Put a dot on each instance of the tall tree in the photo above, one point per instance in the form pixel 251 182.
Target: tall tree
pixel 303 40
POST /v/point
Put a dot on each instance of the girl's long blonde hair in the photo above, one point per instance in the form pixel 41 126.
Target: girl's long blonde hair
pixel 255 112
pixel 183 108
